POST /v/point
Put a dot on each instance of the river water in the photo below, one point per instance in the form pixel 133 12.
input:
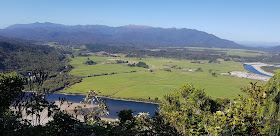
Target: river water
pixel 252 69
pixel 114 105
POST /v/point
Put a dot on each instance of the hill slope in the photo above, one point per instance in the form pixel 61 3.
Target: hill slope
pixel 275 49
pixel 22 56
pixel 130 34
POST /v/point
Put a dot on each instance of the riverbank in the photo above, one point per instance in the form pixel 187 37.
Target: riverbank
pixel 114 105
pixel 256 72
pixel 113 98
pixel 241 74
pixel 258 65
pixel 65 107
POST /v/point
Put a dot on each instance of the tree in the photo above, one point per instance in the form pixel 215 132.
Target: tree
pixel 142 64
pixel 199 69
pixel 17 105
pixel 62 124
pixel 92 116
pixel 239 118
pixel 192 112
pixel 126 115
pixel 11 86
pixel 214 74
pixel 90 62
pixel 270 109
pixel 186 108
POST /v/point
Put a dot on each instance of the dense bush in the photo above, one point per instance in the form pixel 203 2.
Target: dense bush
pixel 90 62
pixel 25 57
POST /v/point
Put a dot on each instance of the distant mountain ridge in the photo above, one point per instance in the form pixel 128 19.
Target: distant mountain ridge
pixel 130 34
pixel 34 25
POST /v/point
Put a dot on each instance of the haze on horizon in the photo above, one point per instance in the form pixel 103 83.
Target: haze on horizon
pixel 250 20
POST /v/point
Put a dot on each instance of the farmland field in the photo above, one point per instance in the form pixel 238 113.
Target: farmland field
pixel 145 84
pixel 81 69
pixel 271 69
pixel 237 52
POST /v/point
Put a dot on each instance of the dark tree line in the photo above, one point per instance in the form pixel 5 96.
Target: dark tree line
pixel 139 52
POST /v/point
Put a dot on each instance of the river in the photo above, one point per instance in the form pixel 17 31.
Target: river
pixel 114 105
pixel 252 69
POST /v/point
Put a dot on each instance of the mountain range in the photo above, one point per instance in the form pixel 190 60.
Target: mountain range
pixel 127 35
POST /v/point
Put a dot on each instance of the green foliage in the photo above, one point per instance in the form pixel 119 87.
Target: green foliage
pixel 214 74
pixel 142 64
pixel 11 86
pixel 187 111
pixel 240 118
pixel 90 62
pixel 186 108
pixel 139 64
pixel 62 124
pixel 127 120
pixel 24 57
pixel 35 79
pixel 121 61
pixel 270 109
pixel 13 121
pixel 199 69
pixel 92 116
pixel 156 99
pixel 126 115
pixel 271 69
pixel 59 82
pixel 72 56
pixel 192 112
pixel 131 65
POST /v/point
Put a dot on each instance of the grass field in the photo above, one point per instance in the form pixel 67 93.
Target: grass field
pixel 145 84
pixel 271 69
pixel 238 52
pixel 81 69
pixel 277 70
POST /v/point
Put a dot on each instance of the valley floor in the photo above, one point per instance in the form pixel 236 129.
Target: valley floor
pixel 165 76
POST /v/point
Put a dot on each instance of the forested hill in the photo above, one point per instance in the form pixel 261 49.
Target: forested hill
pixel 22 56
pixel 275 49
pixel 128 35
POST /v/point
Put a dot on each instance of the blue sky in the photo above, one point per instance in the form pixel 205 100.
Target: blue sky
pixel 237 20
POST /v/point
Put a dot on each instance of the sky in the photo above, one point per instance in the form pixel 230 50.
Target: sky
pixel 237 20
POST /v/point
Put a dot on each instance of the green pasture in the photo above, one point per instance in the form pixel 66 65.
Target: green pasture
pixel 144 84
pixel 277 70
pixel 271 69
pixel 238 52
pixel 223 67
pixel 81 69
pixel 245 53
